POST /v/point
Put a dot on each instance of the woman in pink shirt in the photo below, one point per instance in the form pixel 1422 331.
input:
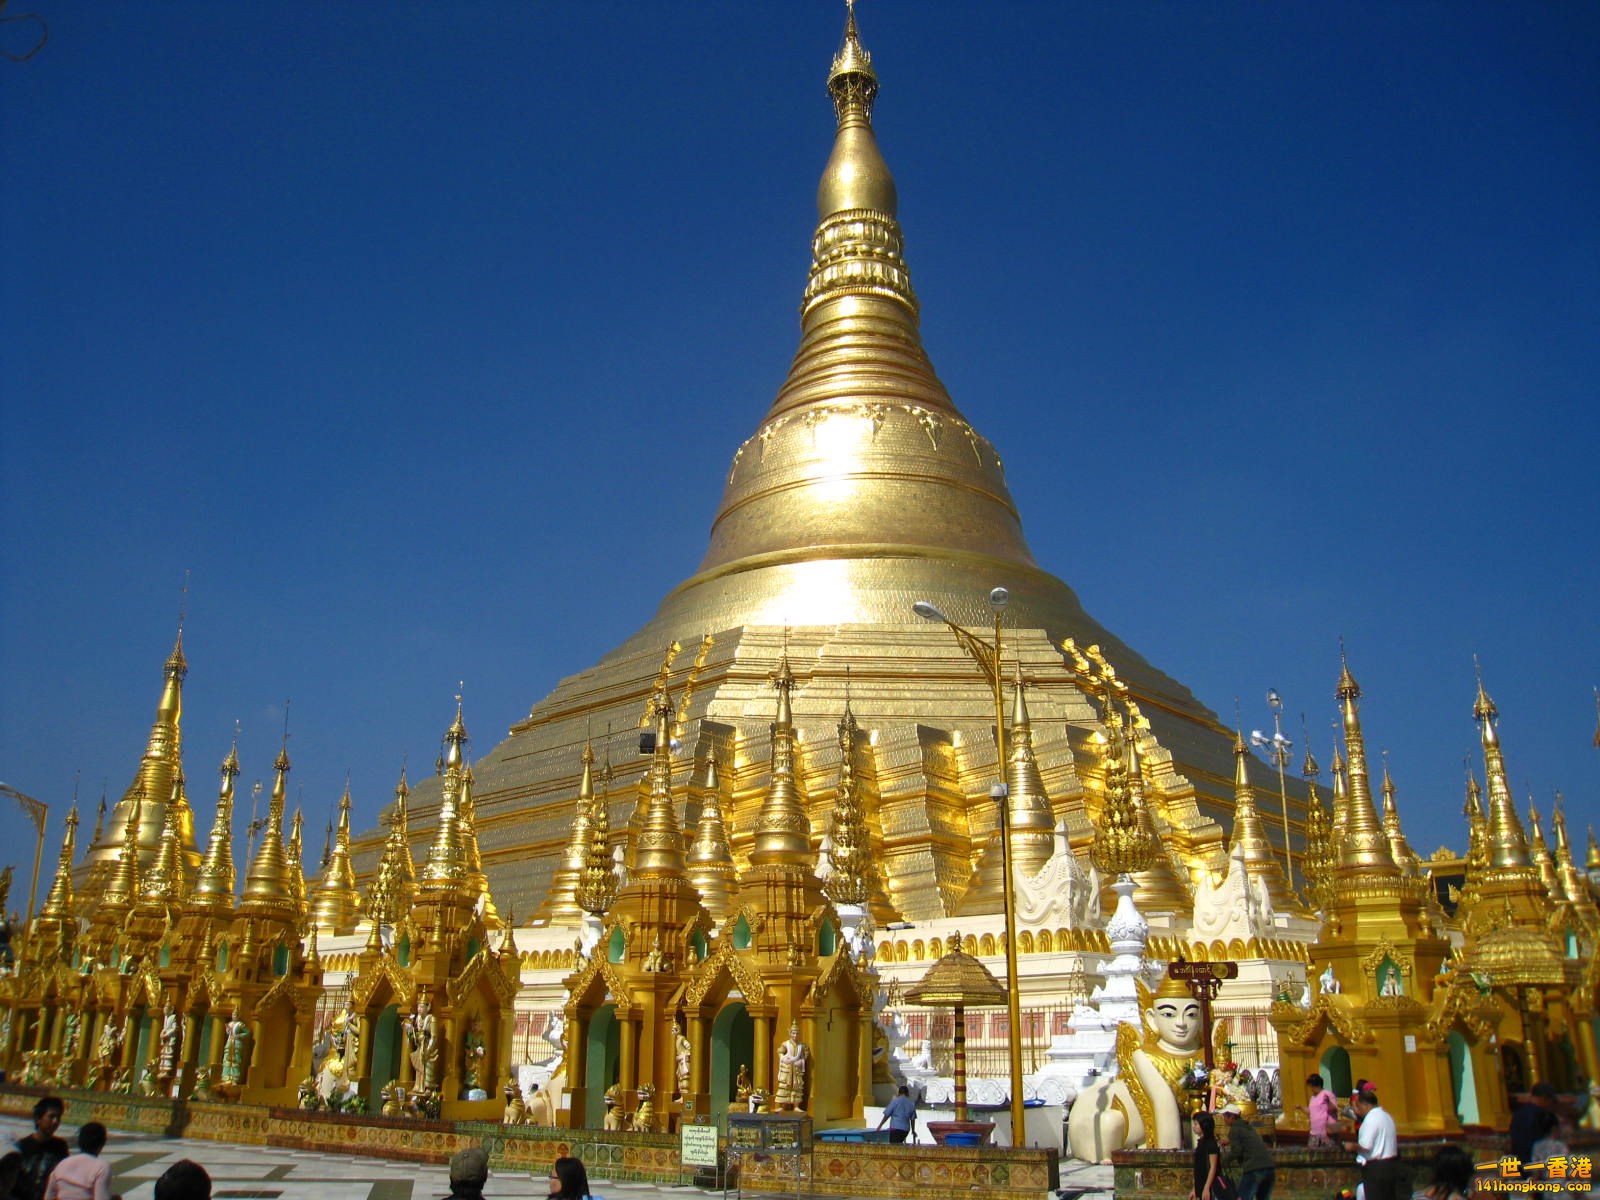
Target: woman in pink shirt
pixel 1322 1112
pixel 84 1176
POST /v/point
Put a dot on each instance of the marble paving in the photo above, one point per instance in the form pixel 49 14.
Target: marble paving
pixel 268 1173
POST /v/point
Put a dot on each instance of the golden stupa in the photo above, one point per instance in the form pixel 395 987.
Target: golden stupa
pixel 862 490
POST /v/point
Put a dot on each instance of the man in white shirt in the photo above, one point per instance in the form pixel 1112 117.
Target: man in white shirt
pixel 1377 1148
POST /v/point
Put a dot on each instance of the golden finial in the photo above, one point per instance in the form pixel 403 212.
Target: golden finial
pixel 1365 852
pixel 782 830
pixel 1341 803
pixel 1320 859
pixel 856 177
pixel 297 853
pixel 99 817
pixel 1539 852
pixel 852 853
pixel 123 887
pixel 1573 885
pixel 213 887
pixel 658 848
pixel 477 881
pixel 710 863
pixel 389 898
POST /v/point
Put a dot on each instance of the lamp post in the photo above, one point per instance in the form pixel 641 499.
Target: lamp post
pixel 1277 747
pixel 987 655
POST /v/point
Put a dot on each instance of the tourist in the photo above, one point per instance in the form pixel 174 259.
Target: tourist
pixel 1452 1175
pixel 568 1180
pixel 1322 1113
pixel 1377 1148
pixel 1248 1155
pixel 1526 1121
pixel 1209 1181
pixel 901 1115
pixel 184 1180
pixel 1550 1143
pixel 84 1176
pixel 41 1150
pixel 469 1171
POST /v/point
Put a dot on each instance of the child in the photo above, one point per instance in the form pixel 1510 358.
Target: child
pixel 84 1176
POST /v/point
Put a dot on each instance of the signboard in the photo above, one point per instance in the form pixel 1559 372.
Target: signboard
pixel 1190 971
pixel 698 1147
pixel 769 1133
pixel 1205 981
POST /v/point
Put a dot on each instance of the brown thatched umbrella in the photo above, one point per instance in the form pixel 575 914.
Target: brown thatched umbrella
pixel 958 981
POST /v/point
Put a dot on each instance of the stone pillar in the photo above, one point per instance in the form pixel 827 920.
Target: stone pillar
pixel 699 1091
pixel 190 1059
pixel 407 1068
pixel 627 1055
pixel 864 1095
pixel 577 1067
pixel 363 1064
pixel 130 1044
pixel 219 1041
pixel 251 1079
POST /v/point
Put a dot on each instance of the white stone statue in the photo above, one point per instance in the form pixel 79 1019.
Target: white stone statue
pixel 1328 983
pixel 1235 906
pixel 424 1032
pixel 681 1053
pixel 1059 896
pixel 171 1041
pixel 1391 981
pixel 1140 1106
pixel 794 1062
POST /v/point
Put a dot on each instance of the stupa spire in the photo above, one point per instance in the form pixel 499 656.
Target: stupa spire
pixel 1591 862
pixel 446 867
pixel 1574 888
pixel 851 856
pixel 164 883
pixel 1121 845
pixel 213 887
pixel 710 862
pixel 1250 835
pixel 561 903
pixel 1320 857
pixel 1399 849
pixel 267 889
pixel 658 849
pixel 598 886
pixel 335 901
pixel 783 832
pixel 1032 818
pixel 1477 841
pixel 58 902
pixel 1508 844
pixel 1341 804
pixel 296 851
pixel 1539 850
pixel 1160 888
pixel 1365 851
pixel 389 898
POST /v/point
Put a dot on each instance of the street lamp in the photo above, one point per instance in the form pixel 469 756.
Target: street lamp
pixel 987 655
pixel 1277 747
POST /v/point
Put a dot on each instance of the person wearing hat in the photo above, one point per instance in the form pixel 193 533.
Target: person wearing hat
pixel 469 1171
pixel 1248 1155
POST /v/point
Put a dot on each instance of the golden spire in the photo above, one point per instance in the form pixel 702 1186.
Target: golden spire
pixel 1365 851
pixel 267 887
pixel 335 901
pixel 851 856
pixel 710 863
pixel 389 898
pixel 561 902
pixel 1592 861
pixel 296 851
pixel 99 820
pixel 122 889
pixel 1120 844
pixel 658 849
pixel 1320 857
pixel 1399 849
pixel 1341 804
pixel 476 879
pixel 783 833
pixel 161 763
pixel 1508 845
pixel 1477 842
pixel 1032 819
pixel 213 887
pixel 1540 853
pixel 1574 887
pixel 446 868
pixel 1250 836
pixel 58 903
pixel 164 884
pixel 598 887
pixel 1160 889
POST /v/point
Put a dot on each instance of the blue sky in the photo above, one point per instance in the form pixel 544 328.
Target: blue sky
pixel 422 336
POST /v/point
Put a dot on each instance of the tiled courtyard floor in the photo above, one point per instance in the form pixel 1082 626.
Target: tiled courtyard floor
pixel 267 1173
